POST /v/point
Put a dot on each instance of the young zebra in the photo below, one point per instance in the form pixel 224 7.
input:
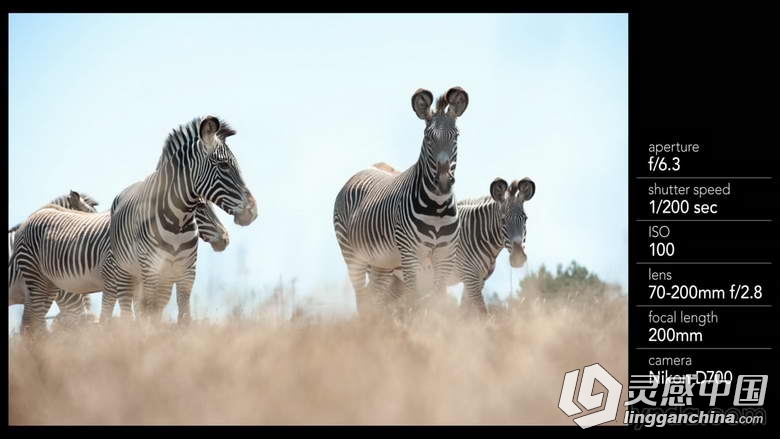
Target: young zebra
pixel 487 225
pixel 210 230
pixel 409 219
pixel 73 308
pixel 152 242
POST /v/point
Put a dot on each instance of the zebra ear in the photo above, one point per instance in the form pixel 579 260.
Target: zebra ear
pixel 458 100
pixel 421 103
pixel 208 131
pixel 74 198
pixel 526 188
pixel 498 189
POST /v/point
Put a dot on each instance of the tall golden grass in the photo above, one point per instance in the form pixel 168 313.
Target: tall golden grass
pixel 435 367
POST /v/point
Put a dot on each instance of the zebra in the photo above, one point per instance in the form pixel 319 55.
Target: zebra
pixel 409 220
pixel 210 230
pixel 152 237
pixel 59 248
pixel 73 308
pixel 488 224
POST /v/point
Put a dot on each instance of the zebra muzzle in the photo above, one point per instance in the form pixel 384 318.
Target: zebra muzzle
pixel 248 214
pixel 219 245
pixel 445 177
pixel 517 256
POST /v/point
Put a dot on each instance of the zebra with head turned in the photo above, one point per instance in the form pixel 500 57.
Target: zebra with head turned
pixel 152 237
pixel 59 248
pixel 73 308
pixel 487 225
pixel 384 221
pixel 211 230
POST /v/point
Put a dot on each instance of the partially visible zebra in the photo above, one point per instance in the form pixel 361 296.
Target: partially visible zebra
pixel 58 249
pixel 211 230
pixel 79 258
pixel 487 225
pixel 151 240
pixel 384 221
pixel 73 308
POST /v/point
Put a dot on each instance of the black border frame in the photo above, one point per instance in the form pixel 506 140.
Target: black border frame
pixel 653 33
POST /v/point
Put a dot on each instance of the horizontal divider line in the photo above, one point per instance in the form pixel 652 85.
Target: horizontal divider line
pixel 643 348
pixel 669 177
pixel 660 220
pixel 702 306
pixel 703 263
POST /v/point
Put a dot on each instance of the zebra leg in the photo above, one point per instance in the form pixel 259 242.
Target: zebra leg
pixel 472 299
pixel 150 285
pixel 118 285
pixel 123 293
pixel 183 291
pixel 409 266
pixel 72 310
pixel 107 305
pixel 37 303
pixel 161 298
pixel 357 275
pixel 390 289
pixel 380 286
pixel 445 263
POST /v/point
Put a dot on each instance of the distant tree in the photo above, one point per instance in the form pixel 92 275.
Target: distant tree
pixel 572 282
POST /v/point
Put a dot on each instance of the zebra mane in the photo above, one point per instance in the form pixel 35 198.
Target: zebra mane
pixel 61 200
pixel 178 138
pixel 441 104
pixel 185 134
pixel 89 200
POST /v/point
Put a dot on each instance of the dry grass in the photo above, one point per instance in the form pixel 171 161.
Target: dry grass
pixel 431 369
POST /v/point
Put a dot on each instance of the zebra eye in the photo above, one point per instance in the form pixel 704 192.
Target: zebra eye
pixel 223 165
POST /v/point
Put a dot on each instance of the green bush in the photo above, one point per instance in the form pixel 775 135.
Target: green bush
pixel 571 282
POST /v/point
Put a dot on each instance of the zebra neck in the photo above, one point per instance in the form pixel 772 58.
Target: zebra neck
pixel 482 222
pixel 174 204
pixel 425 195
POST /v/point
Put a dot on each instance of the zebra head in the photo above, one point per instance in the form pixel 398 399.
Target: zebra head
pixel 511 200
pixel 77 201
pixel 219 178
pixel 210 228
pixel 440 142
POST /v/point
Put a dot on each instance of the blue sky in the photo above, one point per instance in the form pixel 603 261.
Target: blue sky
pixel 315 98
